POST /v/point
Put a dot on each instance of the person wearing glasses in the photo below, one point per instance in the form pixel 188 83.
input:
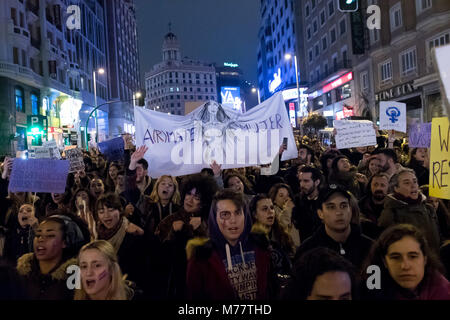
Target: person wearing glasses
pixel 233 263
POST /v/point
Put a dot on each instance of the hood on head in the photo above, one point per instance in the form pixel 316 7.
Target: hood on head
pixel 217 237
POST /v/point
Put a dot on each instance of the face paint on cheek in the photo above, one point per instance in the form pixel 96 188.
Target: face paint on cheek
pixel 103 275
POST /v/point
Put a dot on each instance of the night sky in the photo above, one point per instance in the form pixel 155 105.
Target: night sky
pixel 208 30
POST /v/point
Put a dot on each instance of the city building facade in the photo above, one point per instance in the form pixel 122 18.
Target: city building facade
pixel 277 37
pixel 233 90
pixel 401 54
pixel 329 56
pixel 178 85
pixel 123 65
pixel 46 69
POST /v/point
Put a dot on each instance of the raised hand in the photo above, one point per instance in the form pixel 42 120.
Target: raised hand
pixel 7 168
pixel 136 156
pixel 216 168
pixel 129 210
pixel 177 225
pixel 195 222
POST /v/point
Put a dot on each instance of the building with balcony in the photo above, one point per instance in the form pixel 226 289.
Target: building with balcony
pixel 328 59
pixel 46 69
pixel 176 85
pixel 401 54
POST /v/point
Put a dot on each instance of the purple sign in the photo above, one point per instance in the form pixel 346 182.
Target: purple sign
pixel 420 135
pixel 39 175
pixel 112 149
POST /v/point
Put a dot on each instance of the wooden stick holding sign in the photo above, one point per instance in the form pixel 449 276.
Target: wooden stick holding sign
pixel 391 139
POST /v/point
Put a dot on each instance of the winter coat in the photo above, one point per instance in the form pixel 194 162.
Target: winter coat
pixel 304 216
pixel 39 286
pixel 173 251
pixel 370 213
pixel 355 248
pixel 18 242
pixel 207 277
pixel 420 215
pixel 434 286
pixel 218 270
pixel 153 213
pixel 132 192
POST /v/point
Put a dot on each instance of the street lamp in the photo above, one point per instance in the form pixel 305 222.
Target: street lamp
pixel 259 97
pixel 136 96
pixel 90 115
pixel 288 56
pixel 100 71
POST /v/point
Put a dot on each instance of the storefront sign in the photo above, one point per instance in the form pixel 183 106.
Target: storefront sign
pixel 395 92
pixel 337 83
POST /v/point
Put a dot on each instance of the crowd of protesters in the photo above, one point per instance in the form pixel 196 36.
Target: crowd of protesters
pixel 311 231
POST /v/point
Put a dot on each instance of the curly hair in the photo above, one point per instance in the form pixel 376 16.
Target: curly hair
pixel 205 186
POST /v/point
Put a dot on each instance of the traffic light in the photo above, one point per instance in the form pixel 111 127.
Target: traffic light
pixel 348 5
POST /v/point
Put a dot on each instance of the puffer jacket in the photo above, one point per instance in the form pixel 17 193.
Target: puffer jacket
pixel 39 286
pixel 421 215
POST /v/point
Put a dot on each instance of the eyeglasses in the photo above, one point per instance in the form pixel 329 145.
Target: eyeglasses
pixel 226 215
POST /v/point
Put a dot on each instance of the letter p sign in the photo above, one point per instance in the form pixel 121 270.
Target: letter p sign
pixel 74 19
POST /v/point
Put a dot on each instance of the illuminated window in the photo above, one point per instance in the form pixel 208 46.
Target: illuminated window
pixel 20 107
pixel 34 104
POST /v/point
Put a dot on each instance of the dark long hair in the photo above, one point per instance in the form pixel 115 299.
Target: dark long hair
pixel 280 233
pixel 380 248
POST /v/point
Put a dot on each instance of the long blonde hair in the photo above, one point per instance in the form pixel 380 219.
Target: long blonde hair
pixel 118 290
pixel 176 198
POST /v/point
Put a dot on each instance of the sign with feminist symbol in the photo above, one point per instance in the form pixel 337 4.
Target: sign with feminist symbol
pixel 393 116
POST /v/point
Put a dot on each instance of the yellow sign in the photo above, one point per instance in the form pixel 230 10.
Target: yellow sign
pixel 440 159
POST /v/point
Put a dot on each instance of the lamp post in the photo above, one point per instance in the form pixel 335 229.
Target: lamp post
pixel 288 57
pixel 100 71
pixel 259 97
pixel 135 96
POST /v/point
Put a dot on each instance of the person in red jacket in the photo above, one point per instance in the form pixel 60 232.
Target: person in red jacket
pixel 234 263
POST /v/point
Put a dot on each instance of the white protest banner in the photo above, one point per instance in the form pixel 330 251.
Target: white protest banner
pixel 441 55
pixel 53 148
pixel 38 152
pixel 180 145
pixel 75 156
pixel 354 133
pixel 393 116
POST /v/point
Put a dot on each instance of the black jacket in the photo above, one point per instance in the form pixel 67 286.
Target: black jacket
pixel 355 249
pixel 304 216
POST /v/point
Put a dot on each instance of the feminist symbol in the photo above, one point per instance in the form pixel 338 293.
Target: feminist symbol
pixel 393 113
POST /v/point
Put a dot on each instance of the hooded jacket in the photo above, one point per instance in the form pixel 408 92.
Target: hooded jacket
pixel 355 248
pixel 39 286
pixel 216 269
pixel 420 215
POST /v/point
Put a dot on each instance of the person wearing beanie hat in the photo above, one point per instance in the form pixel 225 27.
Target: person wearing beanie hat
pixel 337 232
pixel 234 262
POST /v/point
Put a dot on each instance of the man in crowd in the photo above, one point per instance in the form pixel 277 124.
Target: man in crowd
pixel 388 161
pixel 337 233
pixel 306 203
pixel 138 181
pixel 373 203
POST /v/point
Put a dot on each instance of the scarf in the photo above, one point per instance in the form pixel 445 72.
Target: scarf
pixel 408 200
pixel 114 236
